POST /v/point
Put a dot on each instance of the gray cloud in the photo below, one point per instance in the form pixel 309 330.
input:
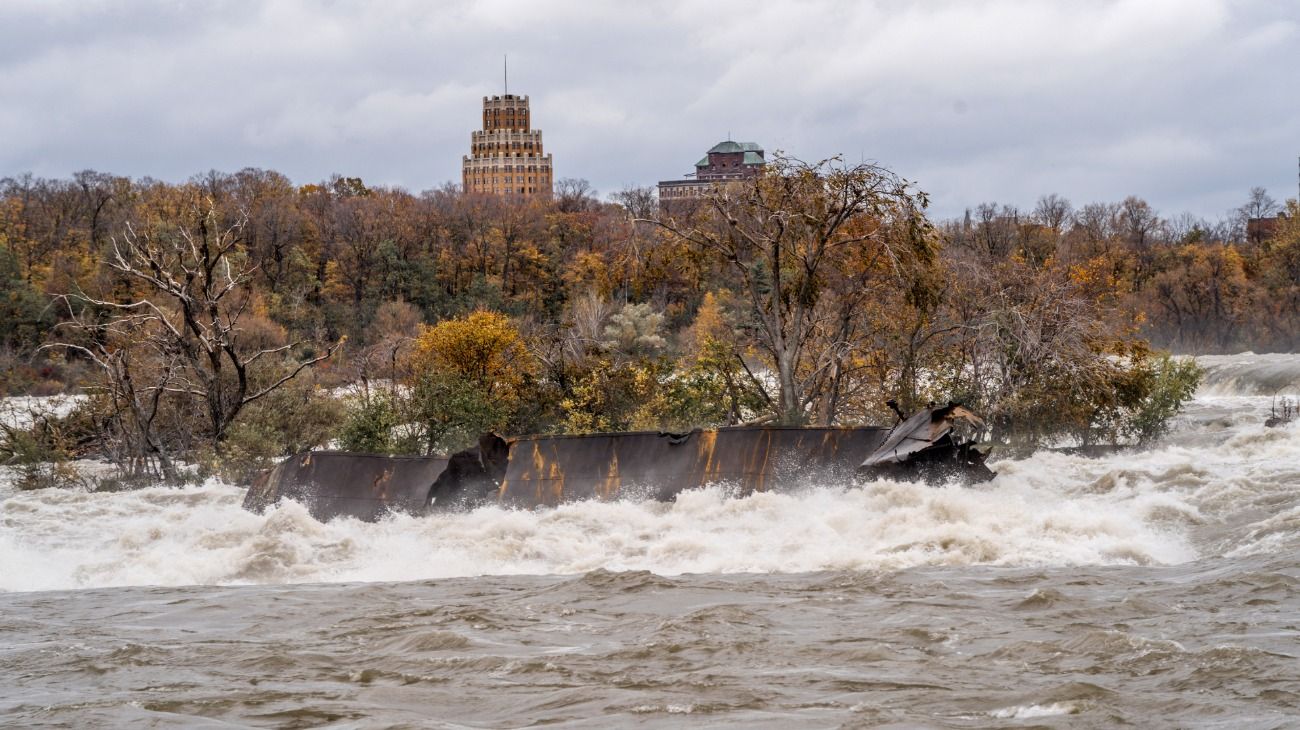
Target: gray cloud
pixel 1187 103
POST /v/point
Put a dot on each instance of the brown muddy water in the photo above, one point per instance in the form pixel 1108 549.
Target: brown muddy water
pixel 1152 589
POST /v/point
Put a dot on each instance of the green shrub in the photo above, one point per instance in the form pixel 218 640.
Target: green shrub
pixel 295 417
pixel 368 425
pixel 39 456
pixel 451 412
pixel 1169 383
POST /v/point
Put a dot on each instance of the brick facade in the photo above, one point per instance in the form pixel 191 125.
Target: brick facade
pixel 506 156
pixel 1260 229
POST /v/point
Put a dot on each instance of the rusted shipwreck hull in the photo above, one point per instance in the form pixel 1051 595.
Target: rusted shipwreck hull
pixel 535 471
pixel 347 484
pixel 551 470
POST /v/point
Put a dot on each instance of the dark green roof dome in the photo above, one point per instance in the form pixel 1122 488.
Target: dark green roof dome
pixel 753 152
pixel 730 146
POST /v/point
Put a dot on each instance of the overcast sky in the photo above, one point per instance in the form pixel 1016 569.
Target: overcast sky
pixel 1187 103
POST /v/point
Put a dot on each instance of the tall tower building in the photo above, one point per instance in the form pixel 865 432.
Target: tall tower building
pixel 506 157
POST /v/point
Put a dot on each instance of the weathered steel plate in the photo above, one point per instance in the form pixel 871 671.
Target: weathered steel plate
pixel 549 470
pixel 342 484
pixel 933 444
pixel 922 431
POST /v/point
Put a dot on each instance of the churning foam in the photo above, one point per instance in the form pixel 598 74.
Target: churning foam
pixel 1221 485
pixel 200 535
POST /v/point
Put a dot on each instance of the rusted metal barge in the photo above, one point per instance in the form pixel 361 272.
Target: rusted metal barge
pixel 536 471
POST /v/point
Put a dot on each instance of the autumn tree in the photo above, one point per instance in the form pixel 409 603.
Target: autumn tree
pixel 617 372
pixel 1259 204
pixel 711 388
pixel 187 319
pixel 1278 277
pixel 1201 297
pixel 1054 212
pixel 804 242
pixel 640 202
pixel 24 316
pixel 467 375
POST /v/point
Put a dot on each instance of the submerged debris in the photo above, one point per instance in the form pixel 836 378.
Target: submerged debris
pixel 935 443
pixel 1282 412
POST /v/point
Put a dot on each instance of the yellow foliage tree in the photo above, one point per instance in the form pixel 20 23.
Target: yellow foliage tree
pixel 483 350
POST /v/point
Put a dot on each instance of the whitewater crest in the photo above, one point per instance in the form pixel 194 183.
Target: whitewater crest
pixel 1250 374
pixel 199 535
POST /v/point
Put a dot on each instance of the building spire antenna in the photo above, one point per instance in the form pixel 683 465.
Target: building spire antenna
pixel 505 73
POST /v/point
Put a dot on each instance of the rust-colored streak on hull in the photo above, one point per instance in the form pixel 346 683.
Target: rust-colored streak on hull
pixel 549 470
pixel 339 484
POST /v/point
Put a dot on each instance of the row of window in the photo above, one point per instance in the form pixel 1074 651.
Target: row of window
pixel 682 191
pixel 498 145
pixel 513 168
pixel 509 179
pixel 509 119
pixel 529 190
pixel 489 154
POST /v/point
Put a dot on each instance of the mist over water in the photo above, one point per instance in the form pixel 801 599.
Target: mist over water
pixel 1089 592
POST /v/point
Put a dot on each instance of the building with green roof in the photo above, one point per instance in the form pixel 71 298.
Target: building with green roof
pixel 725 161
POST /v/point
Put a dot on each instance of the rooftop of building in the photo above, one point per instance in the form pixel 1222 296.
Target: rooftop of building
pixel 751 158
pixel 753 152
pixel 729 146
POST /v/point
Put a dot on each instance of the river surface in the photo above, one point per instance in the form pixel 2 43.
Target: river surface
pixel 1148 589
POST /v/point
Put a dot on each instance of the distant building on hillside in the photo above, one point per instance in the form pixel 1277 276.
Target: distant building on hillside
pixel 725 161
pixel 506 157
pixel 1259 229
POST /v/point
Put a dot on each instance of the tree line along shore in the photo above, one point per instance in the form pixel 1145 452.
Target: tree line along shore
pixel 217 325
